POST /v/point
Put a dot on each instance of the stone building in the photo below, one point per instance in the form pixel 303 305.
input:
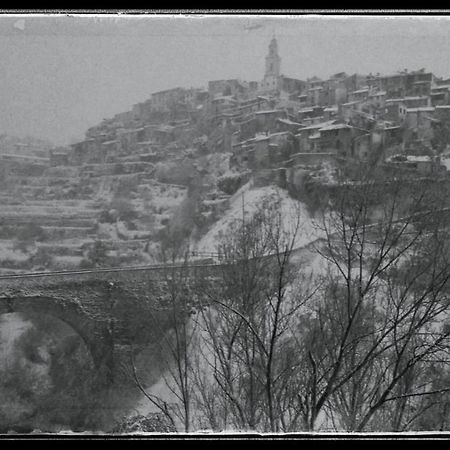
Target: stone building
pixel 233 87
pixel 267 120
pixel 84 152
pixel 440 95
pixel 59 157
pixel 359 95
pixel 402 84
pixel 164 101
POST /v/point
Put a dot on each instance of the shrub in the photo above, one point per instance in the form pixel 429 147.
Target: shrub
pixel 31 232
pixel 97 256
pixel 127 186
pixel 105 217
pixel 13 264
pixel 153 422
pixel 7 232
pixel 42 258
pixel 119 209
pixel 125 209
pixel 118 169
pixel 232 182
pixel 180 173
pixel 86 264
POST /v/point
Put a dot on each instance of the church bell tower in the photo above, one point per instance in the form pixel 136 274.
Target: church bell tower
pixel 273 60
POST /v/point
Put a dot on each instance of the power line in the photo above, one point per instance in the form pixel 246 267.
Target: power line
pixel 103 270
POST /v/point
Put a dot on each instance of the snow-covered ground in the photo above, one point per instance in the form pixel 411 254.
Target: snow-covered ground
pixel 246 202
pixel 8 252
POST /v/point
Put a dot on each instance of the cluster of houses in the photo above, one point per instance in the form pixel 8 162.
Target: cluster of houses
pixel 400 120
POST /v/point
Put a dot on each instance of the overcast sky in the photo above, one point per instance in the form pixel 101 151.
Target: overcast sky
pixel 63 74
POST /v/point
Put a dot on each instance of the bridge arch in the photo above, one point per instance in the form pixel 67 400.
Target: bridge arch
pixel 94 333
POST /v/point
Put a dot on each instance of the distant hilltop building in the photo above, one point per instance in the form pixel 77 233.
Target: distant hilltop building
pixel 273 81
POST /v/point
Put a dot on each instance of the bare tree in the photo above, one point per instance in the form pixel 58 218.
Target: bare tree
pixel 250 323
pixel 174 345
pixel 383 303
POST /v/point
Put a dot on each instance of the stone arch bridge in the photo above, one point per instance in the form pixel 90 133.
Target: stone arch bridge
pixel 111 309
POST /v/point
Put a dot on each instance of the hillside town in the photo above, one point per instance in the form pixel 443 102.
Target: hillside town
pixel 207 143
pixel 280 130
pixel 282 122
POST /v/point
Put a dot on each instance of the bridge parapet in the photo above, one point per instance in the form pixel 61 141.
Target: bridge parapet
pixel 109 308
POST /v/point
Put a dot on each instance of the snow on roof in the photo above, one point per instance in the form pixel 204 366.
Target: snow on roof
pixel 165 128
pixel 443 107
pixel 224 97
pixel 288 122
pixel 350 103
pixel 280 133
pixel 398 100
pixel 393 75
pixel 259 137
pixel 395 100
pixel 317 126
pixel 268 111
pixel 421 97
pixel 336 126
pixel 411 158
pixel 21 144
pixel 59 153
pixel 422 109
pixel 131 130
pixel 361 91
pixel 166 91
pixel 423 158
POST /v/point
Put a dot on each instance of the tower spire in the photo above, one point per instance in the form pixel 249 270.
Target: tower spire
pixel 273 60
pixel 272 79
